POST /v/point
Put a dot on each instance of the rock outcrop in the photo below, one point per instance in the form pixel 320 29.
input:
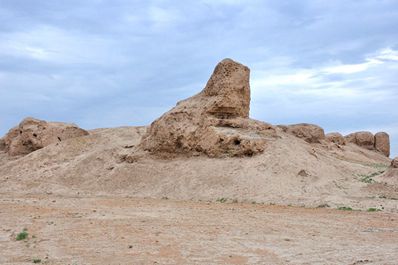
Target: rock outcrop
pixel 362 139
pixel 32 134
pixel 379 142
pixel 336 138
pixel 309 132
pixel 215 121
pixel 382 143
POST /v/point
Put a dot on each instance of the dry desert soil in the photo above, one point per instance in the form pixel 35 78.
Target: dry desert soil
pixel 123 230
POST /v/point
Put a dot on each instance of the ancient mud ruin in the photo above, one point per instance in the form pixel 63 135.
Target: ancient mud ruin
pixel 33 134
pixel 215 121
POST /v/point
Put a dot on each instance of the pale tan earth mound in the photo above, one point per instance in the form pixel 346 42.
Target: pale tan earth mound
pixel 336 138
pixel 33 134
pixel 93 165
pixel 215 121
pixel 213 150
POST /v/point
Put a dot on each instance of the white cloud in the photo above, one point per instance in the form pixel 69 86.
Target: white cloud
pixel 350 68
pixel 374 60
pixel 55 45
pixel 387 54
pixel 335 80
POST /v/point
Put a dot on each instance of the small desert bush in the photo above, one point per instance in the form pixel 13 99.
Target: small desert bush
pixel 23 235
pixel 369 177
pixel 36 260
pixel 373 210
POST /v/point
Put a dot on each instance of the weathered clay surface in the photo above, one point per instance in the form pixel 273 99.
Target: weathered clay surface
pixel 32 134
pixel 336 138
pixel 362 139
pixel 382 143
pixel 214 122
pixel 309 132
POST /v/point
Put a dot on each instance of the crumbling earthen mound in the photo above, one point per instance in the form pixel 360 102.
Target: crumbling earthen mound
pixel 214 122
pixel 336 138
pixel 32 134
pixel 379 142
pixel 309 132
pixel 382 143
pixel 362 139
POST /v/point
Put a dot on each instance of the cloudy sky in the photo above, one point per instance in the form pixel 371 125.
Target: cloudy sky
pixel 109 63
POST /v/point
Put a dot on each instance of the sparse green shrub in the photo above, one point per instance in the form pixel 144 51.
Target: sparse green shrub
pixel 23 235
pixel 36 260
pixel 369 178
pixel 373 210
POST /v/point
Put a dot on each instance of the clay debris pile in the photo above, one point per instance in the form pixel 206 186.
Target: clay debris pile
pixel 32 134
pixel 215 121
pixel 379 142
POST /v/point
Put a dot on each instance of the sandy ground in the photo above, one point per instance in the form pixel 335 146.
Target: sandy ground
pixel 122 230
